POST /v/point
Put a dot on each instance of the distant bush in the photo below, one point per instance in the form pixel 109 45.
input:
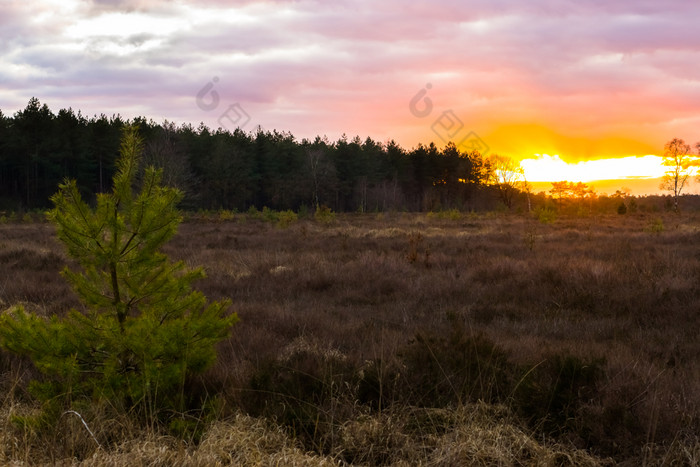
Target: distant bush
pixel 451 214
pixel 545 215
pixel 656 226
pixel 303 211
pixel 324 215
pixel 622 209
pixel 454 214
pixel 286 218
pixel 226 215
pixel 269 215
pixel 253 212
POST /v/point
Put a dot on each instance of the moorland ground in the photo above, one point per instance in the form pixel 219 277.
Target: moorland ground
pixel 412 338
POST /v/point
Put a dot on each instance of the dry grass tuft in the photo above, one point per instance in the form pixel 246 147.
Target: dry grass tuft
pixel 243 441
pixel 473 434
pixel 250 441
pixel 487 435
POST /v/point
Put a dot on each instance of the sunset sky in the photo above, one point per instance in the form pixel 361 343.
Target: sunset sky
pixel 554 80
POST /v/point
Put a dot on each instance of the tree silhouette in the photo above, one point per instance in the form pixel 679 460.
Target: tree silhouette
pixel 233 170
pixel 508 176
pixel 681 165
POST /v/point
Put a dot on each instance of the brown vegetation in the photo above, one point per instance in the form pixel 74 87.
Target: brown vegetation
pixel 403 338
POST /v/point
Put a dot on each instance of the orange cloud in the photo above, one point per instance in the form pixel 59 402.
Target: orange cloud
pixel 526 140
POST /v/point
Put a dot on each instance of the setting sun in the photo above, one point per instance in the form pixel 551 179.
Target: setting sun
pixel 546 168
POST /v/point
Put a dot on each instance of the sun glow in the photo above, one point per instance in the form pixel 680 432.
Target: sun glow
pixel 546 168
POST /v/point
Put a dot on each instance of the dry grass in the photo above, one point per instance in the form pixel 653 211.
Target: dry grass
pixel 322 304
pixel 473 434
pixel 243 441
pixel 476 434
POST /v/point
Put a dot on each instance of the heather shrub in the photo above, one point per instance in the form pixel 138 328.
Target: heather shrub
pixel 415 242
pixel 304 389
pixel 551 394
pixel 461 368
pixel 378 383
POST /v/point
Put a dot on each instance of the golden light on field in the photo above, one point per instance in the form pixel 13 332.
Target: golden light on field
pixel 546 168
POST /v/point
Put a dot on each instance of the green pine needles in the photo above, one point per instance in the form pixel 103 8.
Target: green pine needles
pixel 144 331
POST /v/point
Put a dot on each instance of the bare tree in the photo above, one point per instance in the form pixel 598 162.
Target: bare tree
pixel 508 176
pixel 681 165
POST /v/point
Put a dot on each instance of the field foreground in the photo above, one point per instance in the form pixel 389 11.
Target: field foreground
pixel 409 339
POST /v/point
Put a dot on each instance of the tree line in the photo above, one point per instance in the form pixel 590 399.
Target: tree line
pixel 219 169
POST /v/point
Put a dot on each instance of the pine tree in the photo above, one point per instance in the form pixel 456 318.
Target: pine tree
pixel 144 330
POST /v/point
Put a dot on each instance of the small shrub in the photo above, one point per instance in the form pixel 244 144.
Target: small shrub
pixel 415 245
pixel 303 211
pixel 253 212
pixel 286 218
pixel 545 215
pixel 441 372
pixel 655 226
pixel 226 215
pixel 324 215
pixel 551 394
pixel 144 332
pixel 301 389
pixel 622 209
pixel 454 214
pixel 269 215
pixel 530 238
pixel 377 383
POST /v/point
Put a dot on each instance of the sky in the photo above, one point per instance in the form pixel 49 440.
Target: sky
pixel 549 81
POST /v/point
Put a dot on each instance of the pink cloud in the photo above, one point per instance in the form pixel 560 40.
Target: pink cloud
pixel 584 70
